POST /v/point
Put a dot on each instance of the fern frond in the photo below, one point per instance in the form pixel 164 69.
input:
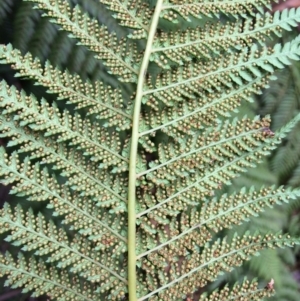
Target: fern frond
pixel 287 157
pixel 44 280
pixel 99 143
pixel 224 212
pixel 246 291
pixel 44 34
pixel 34 233
pixel 39 186
pixel 218 214
pixel 213 157
pixel 193 115
pixel 132 14
pixel 176 189
pixel 120 57
pixel 100 100
pixel 272 97
pixel 99 11
pixel 72 164
pixel 24 22
pixel 289 289
pixel 134 175
pixel 196 9
pixel 5 7
pixel 43 39
pixel 295 180
pixel 215 257
pixel 219 38
pixel 272 266
pixel 282 101
pixel 194 79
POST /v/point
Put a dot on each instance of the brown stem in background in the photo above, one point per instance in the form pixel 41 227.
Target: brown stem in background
pixel 10 294
pixel 286 4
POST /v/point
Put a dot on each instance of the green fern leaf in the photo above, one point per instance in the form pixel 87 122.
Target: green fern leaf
pixel 116 55
pixel 41 278
pixel 247 290
pixel 132 14
pixel 134 182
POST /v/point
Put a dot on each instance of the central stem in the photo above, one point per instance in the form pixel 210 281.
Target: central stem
pixel 133 158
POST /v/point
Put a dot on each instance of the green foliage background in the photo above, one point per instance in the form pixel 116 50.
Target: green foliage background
pixel 282 102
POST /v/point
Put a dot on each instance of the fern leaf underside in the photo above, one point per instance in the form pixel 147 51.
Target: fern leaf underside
pixel 133 183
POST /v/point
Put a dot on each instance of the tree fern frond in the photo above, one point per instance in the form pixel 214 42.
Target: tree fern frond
pixel 254 177
pixel 176 176
pixel 289 289
pixel 69 161
pixel 295 180
pixel 182 199
pixel 282 101
pixel 277 91
pixel 196 9
pixel 119 57
pixel 34 233
pixel 132 14
pixel 245 291
pixel 65 52
pixel 192 115
pixel 288 106
pixel 223 213
pixel 213 259
pixel 219 38
pixel 287 157
pixel 97 97
pixel 44 34
pixel 220 213
pixel 39 186
pixel 99 11
pixel 134 175
pixel 38 277
pixel 5 7
pixel 272 266
pixel 282 91
pixel 190 80
pixel 24 25
pixel 100 144
pixel 34 34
